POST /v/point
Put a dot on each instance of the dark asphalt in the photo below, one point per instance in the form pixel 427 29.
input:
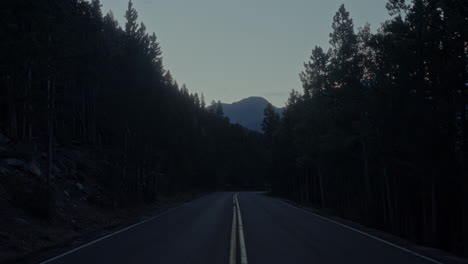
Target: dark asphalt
pixel 278 233
pixel 200 232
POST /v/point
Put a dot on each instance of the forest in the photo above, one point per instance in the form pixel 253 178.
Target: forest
pixel 72 76
pixel 379 133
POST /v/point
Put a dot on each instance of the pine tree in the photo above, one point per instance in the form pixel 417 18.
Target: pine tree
pixel 131 16
pixel 184 90
pixel 96 12
pixel 270 120
pixel 315 78
pixel 202 101
pixel 219 109
pixel 212 107
pixel 344 51
pixel 196 100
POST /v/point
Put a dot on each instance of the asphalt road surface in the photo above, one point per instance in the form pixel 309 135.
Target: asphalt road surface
pixel 238 228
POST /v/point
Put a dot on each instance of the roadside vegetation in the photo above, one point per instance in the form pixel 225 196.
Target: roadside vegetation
pixel 93 125
pixel 379 133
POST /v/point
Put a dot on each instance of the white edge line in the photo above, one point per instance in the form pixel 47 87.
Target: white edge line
pixel 366 234
pixel 112 234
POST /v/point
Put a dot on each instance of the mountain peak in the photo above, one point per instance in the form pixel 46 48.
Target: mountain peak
pixel 248 112
pixel 253 100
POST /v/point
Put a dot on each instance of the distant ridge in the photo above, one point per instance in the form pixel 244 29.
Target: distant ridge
pixel 248 112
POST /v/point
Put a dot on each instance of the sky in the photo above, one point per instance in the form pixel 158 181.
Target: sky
pixel 232 49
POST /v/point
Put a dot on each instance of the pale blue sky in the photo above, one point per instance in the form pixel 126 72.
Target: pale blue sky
pixel 232 49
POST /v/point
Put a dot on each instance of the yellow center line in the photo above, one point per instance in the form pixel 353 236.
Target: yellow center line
pixel 232 258
pixel 241 235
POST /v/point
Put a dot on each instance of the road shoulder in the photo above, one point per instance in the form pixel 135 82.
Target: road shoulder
pixel 134 217
pixel 432 253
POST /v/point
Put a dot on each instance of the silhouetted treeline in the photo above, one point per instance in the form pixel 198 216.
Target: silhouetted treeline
pixel 70 75
pixel 379 134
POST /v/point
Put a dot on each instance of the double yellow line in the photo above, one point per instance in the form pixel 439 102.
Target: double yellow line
pixel 243 252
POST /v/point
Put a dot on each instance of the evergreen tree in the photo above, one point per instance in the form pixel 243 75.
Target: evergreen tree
pixel 131 24
pixel 344 50
pixel 219 109
pixel 202 101
pixel 196 100
pixel 315 78
pixel 270 120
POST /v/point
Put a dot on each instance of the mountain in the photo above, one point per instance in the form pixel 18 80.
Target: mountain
pixel 248 112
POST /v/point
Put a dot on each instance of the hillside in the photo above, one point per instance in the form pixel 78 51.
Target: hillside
pixel 248 112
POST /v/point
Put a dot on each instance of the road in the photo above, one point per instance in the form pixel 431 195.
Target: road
pixel 244 228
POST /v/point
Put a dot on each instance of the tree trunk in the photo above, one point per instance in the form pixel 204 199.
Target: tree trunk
pixel 93 132
pixel 389 198
pixel 322 190
pixel 307 187
pixel 433 211
pixel 11 127
pixel 156 185
pixel 83 115
pixel 50 128
pixel 367 198
pixel 27 126
pixel 464 175
pixel 465 212
pixel 99 139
